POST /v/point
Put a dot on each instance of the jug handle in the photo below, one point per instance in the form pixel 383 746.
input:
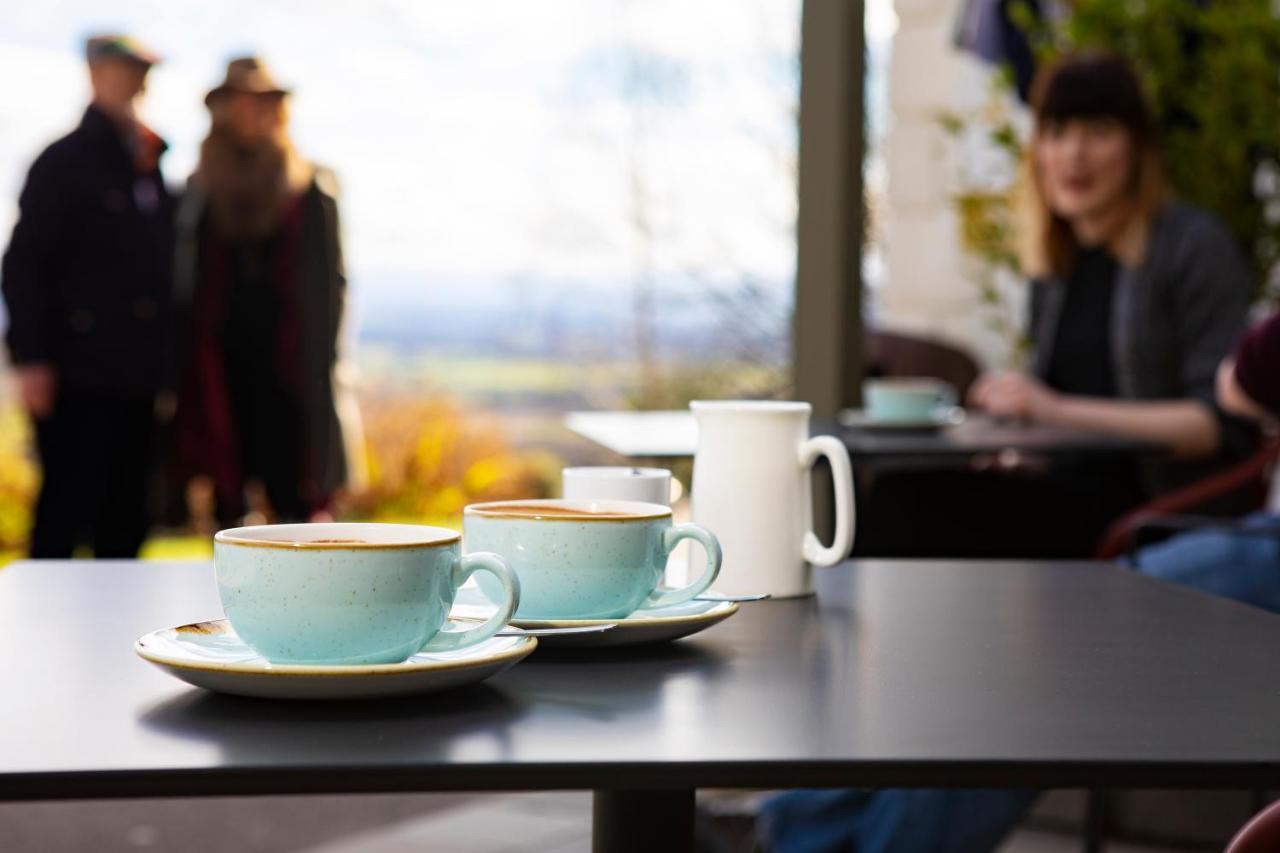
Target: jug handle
pixel 842 479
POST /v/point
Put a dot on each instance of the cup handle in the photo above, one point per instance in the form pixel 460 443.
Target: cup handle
pixel 842 478
pixel 446 639
pixel 701 535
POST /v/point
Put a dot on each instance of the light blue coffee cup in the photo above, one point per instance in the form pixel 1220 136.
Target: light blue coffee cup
pixel 585 559
pixel 338 594
pixel 907 399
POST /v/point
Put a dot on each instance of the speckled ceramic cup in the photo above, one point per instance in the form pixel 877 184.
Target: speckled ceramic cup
pixel 352 593
pixel 585 559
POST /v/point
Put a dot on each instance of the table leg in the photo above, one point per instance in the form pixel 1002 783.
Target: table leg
pixel 642 821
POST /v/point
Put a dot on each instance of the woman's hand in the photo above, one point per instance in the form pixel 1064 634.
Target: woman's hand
pixel 1186 427
pixel 1014 395
pixel 1232 398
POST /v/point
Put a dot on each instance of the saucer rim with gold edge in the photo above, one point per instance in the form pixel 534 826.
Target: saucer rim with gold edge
pixel 250 674
pixel 640 628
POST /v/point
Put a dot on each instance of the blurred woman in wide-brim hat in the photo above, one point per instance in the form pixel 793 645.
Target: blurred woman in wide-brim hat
pixel 261 288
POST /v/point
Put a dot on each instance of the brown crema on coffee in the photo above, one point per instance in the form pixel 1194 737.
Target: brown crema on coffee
pixel 553 511
pixel 319 541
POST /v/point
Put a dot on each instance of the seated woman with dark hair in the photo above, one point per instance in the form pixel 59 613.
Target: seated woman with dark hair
pixel 1135 300
pixel 1135 297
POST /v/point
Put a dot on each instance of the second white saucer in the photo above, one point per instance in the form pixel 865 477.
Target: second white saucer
pixel 642 627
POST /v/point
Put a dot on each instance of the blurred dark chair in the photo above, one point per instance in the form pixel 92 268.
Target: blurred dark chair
pixel 1260 835
pixel 1172 512
pixel 897 354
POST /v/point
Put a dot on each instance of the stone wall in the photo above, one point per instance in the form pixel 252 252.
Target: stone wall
pixel 928 285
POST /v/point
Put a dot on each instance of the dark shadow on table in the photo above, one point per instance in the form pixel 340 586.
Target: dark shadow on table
pixel 429 726
pixel 626 679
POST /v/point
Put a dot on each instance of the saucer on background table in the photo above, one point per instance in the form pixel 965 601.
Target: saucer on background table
pixel 640 628
pixel 860 419
pixel 210 655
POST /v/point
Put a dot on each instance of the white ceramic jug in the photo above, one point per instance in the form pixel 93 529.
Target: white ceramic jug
pixel 751 487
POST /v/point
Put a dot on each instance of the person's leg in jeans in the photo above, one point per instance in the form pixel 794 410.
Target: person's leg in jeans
pixel 926 820
pixel 1242 567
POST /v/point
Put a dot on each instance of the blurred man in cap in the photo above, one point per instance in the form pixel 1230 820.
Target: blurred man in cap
pixel 86 280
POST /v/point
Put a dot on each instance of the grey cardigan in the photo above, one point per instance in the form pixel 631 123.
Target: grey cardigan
pixel 1173 320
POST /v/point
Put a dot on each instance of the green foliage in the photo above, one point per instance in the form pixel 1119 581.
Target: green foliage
pixel 1211 72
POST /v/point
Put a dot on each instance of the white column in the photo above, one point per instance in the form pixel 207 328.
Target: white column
pixel 929 286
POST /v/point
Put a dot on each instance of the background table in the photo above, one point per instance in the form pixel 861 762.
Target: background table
pixel 673 434
pixel 898 673
pixel 655 435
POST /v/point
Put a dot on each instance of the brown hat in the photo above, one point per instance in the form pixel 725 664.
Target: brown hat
pixel 108 46
pixel 246 74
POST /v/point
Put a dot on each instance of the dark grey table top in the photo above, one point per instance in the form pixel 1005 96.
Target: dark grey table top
pixel 899 673
pixel 979 435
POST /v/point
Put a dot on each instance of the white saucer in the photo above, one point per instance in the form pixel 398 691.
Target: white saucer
pixel 644 626
pixel 210 655
pixel 860 419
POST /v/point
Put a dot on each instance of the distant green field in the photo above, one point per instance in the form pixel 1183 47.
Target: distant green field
pixel 487 376
pixel 610 383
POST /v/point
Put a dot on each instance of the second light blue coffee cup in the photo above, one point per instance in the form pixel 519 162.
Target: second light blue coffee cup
pixel 351 594
pixel 586 559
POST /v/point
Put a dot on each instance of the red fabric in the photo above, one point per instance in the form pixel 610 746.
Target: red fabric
pixel 204 424
pixel 147 148
pixel 1251 472
pixel 1258 364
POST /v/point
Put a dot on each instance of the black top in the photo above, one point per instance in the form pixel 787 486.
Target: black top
pixel 87 275
pixel 899 673
pixel 253 309
pixel 1081 362
pixel 264 404
pixel 1178 314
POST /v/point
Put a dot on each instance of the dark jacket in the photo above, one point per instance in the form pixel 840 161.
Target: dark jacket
pixel 322 287
pixel 1173 320
pixel 88 273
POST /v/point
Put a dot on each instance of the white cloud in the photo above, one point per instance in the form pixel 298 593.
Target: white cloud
pixel 477 138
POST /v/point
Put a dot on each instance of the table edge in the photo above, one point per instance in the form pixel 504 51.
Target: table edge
pixel 203 782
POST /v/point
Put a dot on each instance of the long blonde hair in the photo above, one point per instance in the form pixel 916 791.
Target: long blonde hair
pixel 1080 86
pixel 248 184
